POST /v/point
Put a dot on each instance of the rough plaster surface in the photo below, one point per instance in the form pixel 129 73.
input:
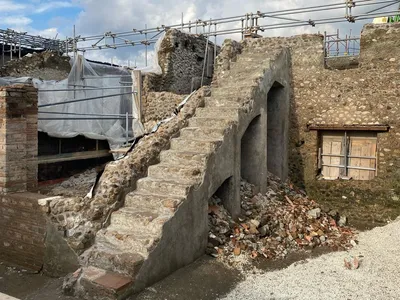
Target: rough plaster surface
pixel 326 277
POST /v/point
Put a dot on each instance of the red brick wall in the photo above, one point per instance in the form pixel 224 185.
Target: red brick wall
pixel 18 138
pixel 22 230
pixel 22 223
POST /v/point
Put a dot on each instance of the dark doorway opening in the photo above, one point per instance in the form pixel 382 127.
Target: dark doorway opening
pixel 277 133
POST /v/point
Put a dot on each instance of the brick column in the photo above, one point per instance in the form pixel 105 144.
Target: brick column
pixel 18 138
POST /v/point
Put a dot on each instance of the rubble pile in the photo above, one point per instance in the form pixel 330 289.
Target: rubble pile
pixel 283 220
pixel 75 186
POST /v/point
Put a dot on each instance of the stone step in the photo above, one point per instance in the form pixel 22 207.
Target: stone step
pixel 160 202
pixel 202 133
pixel 144 220
pixel 231 94
pixel 209 122
pixel 198 146
pixel 232 102
pixel 122 239
pixel 158 186
pixel 183 157
pixel 230 113
pixel 101 284
pixel 176 172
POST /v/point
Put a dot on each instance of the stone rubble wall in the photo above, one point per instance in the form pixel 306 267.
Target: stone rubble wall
pixel 342 63
pixel 366 96
pixel 45 66
pixel 158 106
pixel 380 47
pixel 181 58
pixel 81 218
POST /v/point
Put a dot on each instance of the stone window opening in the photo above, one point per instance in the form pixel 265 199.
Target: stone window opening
pixel 348 155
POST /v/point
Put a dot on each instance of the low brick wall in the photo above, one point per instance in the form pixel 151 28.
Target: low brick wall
pixel 22 228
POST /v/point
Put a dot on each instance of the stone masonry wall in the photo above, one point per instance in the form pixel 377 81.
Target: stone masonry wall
pixel 181 58
pixel 158 106
pixel 45 65
pixel 81 218
pixel 364 96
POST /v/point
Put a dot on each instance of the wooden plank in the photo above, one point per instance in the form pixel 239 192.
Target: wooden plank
pixel 120 150
pixel 336 149
pixel 364 148
pixel 354 149
pixel 49 159
pixel 378 128
pixel 332 144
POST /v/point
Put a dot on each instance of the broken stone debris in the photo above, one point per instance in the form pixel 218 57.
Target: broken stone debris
pixel 272 225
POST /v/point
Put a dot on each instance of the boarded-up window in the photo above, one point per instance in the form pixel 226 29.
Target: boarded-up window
pixel 348 154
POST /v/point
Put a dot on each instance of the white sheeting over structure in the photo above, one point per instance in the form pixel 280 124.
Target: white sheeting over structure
pixel 86 81
pixel 110 96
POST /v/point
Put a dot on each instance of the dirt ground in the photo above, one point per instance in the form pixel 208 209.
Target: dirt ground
pixel 204 279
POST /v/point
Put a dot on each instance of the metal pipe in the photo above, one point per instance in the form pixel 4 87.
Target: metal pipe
pixel 79 118
pixel 127 127
pixel 145 26
pixel 85 99
pixel 238 18
pixel 85 89
pixel 81 114
pixel 205 60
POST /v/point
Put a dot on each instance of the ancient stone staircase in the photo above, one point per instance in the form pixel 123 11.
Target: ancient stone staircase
pixel 163 224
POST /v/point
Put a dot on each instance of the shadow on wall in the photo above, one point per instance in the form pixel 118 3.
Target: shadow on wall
pixel 251 153
pixel 296 167
pixel 277 131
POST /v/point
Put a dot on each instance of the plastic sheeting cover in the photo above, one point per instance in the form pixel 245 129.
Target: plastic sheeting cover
pixel 86 80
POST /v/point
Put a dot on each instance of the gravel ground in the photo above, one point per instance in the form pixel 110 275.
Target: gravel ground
pixel 326 277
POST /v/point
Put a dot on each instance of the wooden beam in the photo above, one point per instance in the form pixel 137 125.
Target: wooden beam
pixel 49 159
pixel 381 128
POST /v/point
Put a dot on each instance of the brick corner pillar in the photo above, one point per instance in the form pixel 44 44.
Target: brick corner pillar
pixel 18 138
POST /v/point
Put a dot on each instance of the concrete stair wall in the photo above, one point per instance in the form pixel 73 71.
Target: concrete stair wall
pixel 163 224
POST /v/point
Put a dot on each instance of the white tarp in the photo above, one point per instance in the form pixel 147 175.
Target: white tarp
pixel 98 117
pixel 101 117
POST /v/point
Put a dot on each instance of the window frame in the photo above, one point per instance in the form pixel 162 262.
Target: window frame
pixel 345 156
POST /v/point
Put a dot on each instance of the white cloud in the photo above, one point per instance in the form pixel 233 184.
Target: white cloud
pixel 15 21
pixel 99 16
pixel 47 6
pixel 96 18
pixel 10 6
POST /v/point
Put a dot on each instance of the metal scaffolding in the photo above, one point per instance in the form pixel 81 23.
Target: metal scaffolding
pixel 248 25
pixel 14 42
pixel 336 46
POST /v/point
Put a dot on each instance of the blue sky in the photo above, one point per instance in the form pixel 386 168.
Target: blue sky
pixel 51 18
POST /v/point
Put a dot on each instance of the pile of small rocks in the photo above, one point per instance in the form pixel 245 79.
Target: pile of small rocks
pixel 272 225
